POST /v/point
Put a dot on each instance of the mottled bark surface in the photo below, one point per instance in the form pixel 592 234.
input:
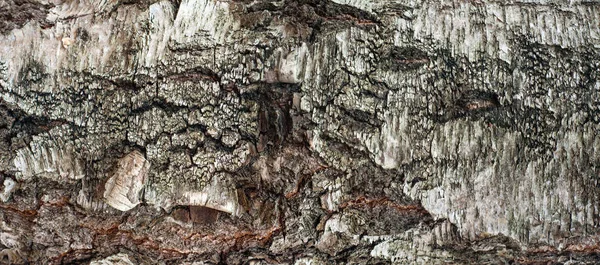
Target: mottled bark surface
pixel 299 132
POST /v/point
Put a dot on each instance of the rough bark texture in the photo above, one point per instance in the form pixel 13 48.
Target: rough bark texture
pixel 299 132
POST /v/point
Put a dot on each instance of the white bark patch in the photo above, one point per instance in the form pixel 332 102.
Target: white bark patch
pixel 9 186
pixel 393 146
pixel 49 159
pixel 161 17
pixel 122 190
pixel 414 246
pixel 66 42
pixel 203 23
pixel 218 194
pixel 118 259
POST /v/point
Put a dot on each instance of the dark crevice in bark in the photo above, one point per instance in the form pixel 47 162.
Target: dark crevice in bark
pixel 16 13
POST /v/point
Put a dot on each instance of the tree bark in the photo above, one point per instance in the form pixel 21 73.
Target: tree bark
pixel 299 132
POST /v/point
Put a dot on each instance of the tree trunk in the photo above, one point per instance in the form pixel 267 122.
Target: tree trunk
pixel 299 132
